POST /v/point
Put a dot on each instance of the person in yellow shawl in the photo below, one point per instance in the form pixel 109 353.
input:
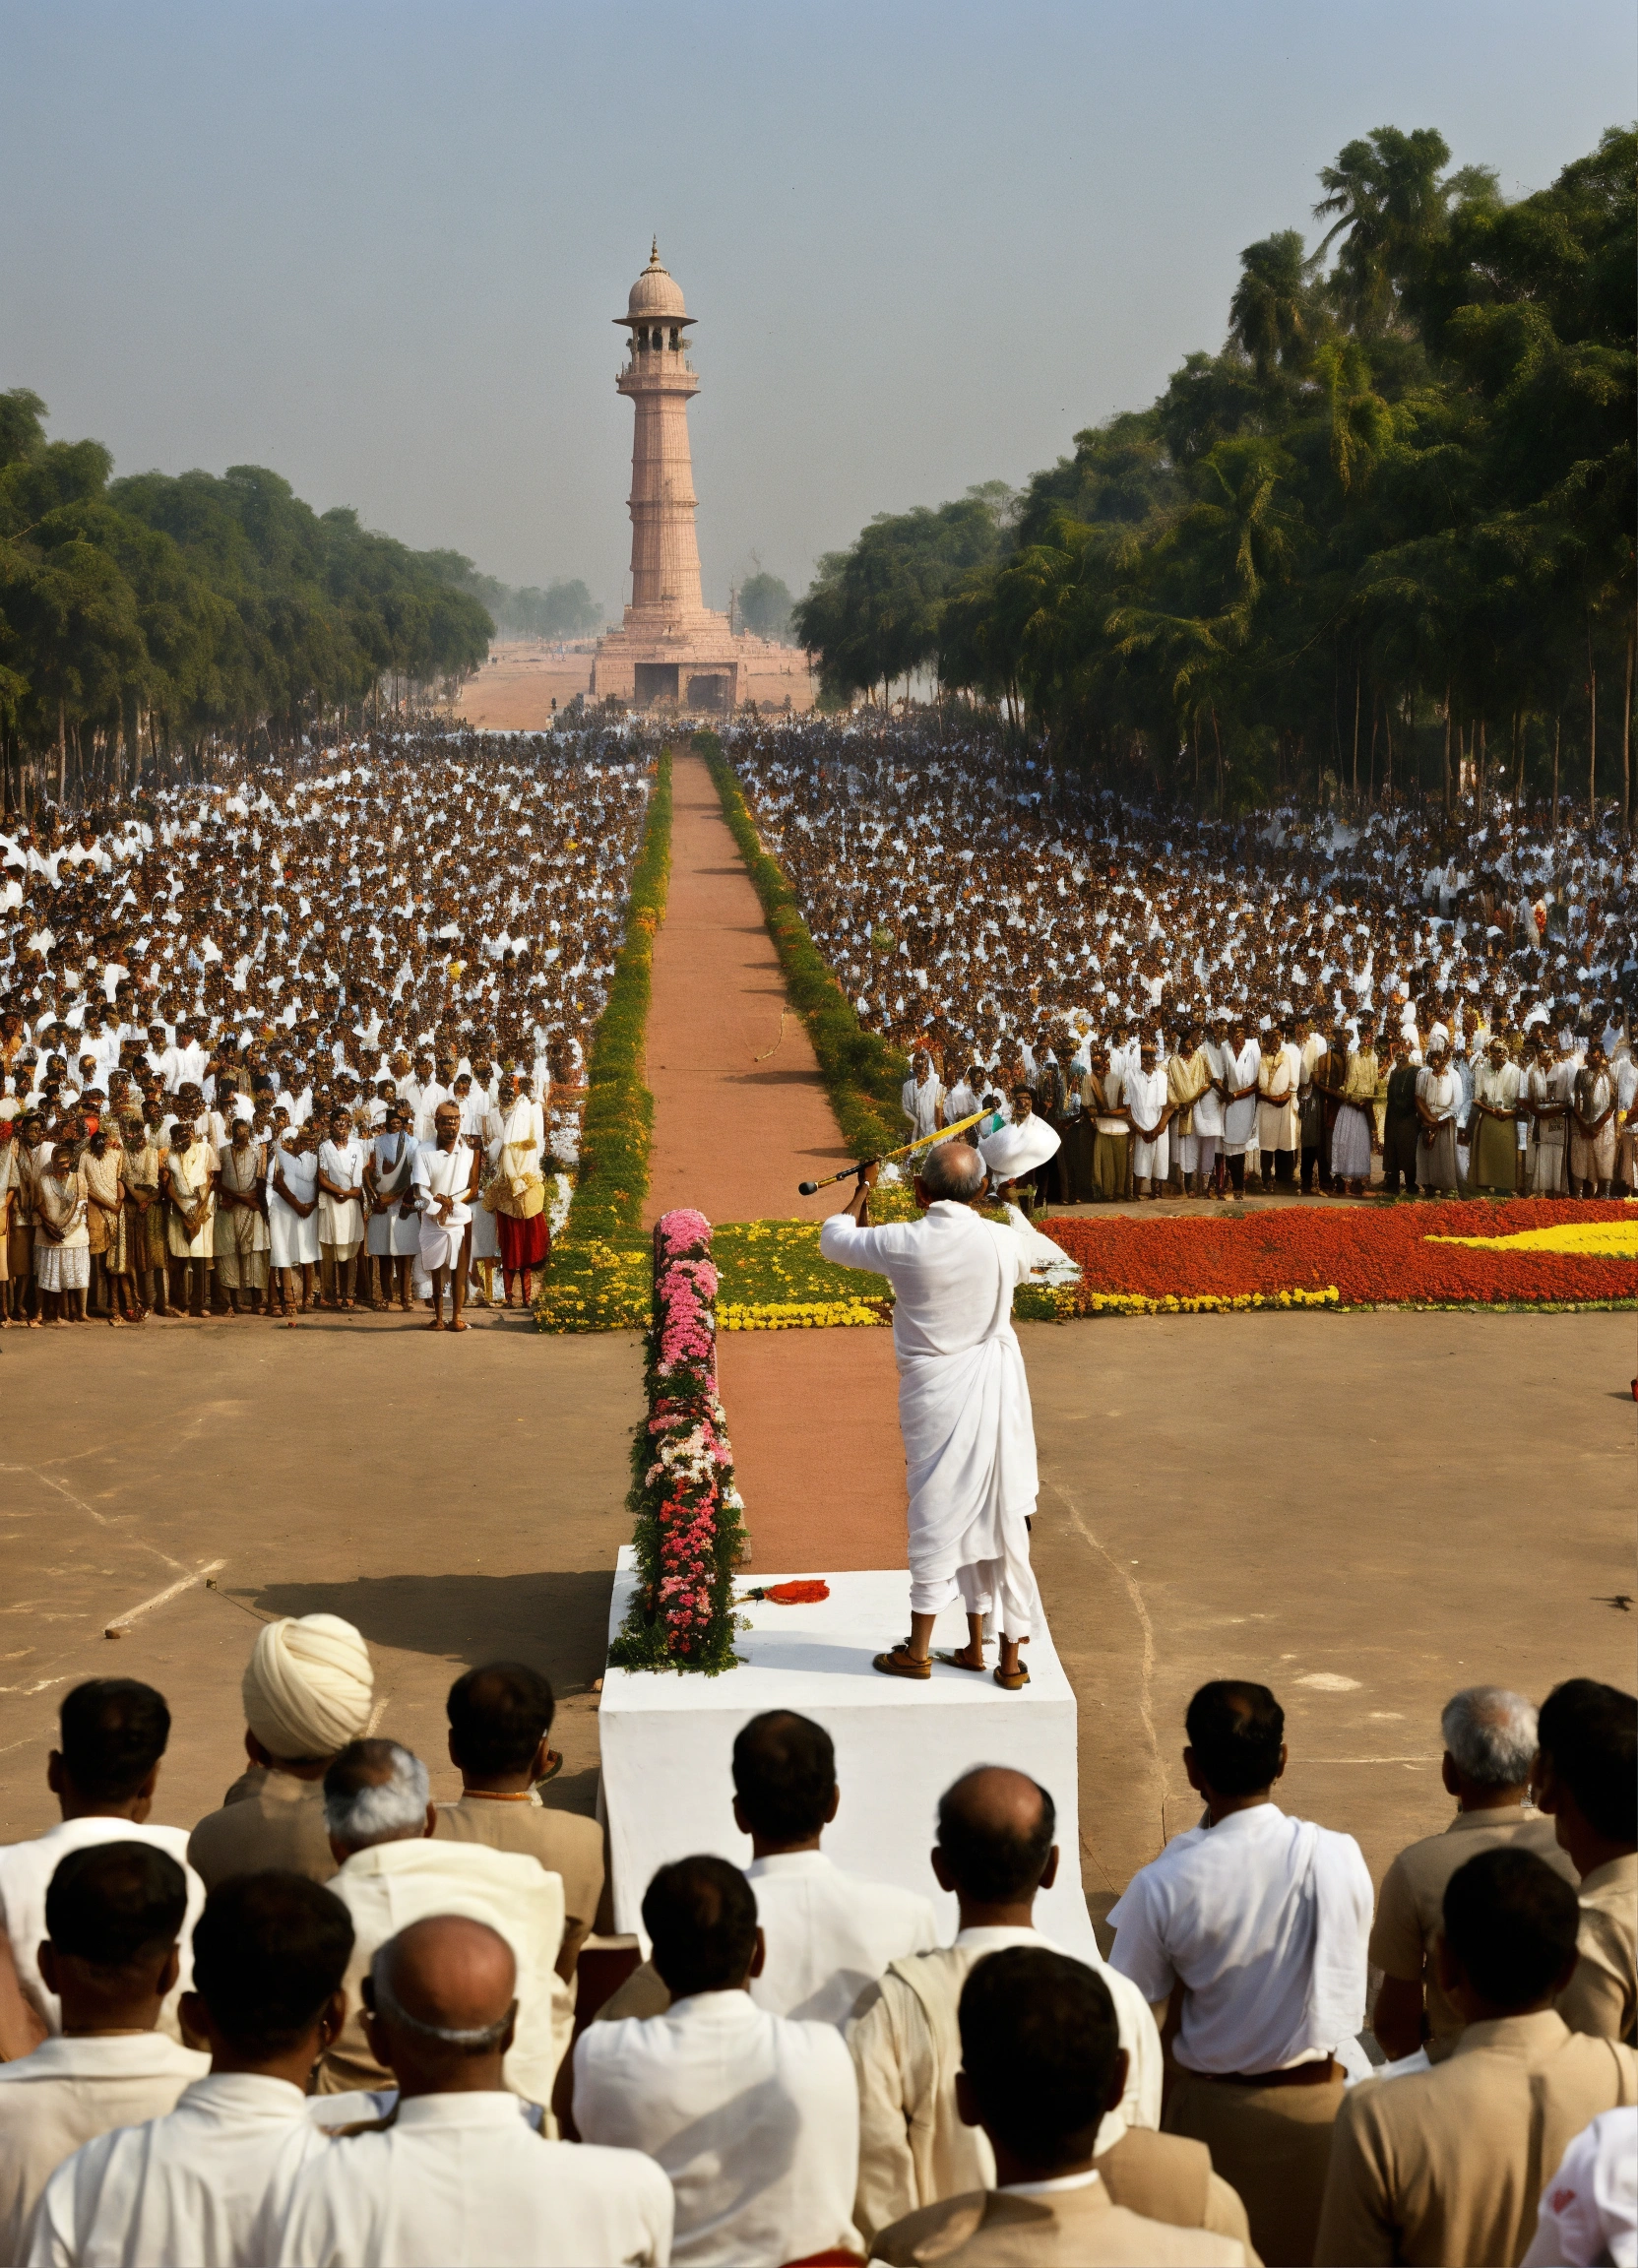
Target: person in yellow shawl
pixel 62 1245
pixel 1188 1073
pixel 1352 1138
pixel 517 1194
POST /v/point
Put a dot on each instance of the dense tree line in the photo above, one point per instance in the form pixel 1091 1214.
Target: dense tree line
pixel 145 620
pixel 1383 541
pixel 563 609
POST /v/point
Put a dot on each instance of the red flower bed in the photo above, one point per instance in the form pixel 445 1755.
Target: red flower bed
pixel 1373 1255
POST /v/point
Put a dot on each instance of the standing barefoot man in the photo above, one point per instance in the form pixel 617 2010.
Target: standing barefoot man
pixel 445 1176
pixel 963 1407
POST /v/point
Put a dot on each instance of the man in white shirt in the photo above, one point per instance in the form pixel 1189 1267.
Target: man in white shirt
pixel 453 2171
pixel 113 1914
pixel 444 1180
pixel 995 1850
pixel 828 1934
pixel 754 2117
pixel 1260 1924
pixel 186 2191
pixel 113 1732
pixel 963 1407
pixel 392 1872
pixel 1041 2073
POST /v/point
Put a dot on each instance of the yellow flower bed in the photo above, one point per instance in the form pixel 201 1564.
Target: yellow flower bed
pixel 1207 1303
pixel 1605 1239
pixel 798 1315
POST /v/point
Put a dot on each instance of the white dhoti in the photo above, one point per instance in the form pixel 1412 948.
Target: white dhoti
pixel 964 1406
pixel 1151 1160
pixel 443 1174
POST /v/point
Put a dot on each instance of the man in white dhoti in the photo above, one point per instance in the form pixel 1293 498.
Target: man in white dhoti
pixel 456 2170
pixel 341 1208
pixel 191 2187
pixel 1149 1100
pixel 445 1178
pixel 963 1407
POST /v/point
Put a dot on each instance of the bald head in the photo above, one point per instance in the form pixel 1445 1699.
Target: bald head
pixel 442 2000
pixel 995 1829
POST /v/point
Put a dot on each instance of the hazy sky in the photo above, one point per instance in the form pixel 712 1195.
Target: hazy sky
pixel 377 244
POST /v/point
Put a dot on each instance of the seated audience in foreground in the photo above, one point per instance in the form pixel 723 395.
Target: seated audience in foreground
pixel 1448 2163
pixel 1589 2210
pixel 753 2117
pixel 391 1871
pixel 456 2171
pixel 308 1689
pixel 1041 2071
pixel 113 1915
pixel 113 1734
pixel 187 2190
pixel 829 1934
pixel 1588 1779
pixel 995 1850
pixel 1256 1924
pixel 1489 1738
pixel 499 1720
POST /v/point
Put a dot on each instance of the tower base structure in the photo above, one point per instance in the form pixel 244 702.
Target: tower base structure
pixel 680 662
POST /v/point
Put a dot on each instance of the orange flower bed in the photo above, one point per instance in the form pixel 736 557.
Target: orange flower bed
pixel 1373 1256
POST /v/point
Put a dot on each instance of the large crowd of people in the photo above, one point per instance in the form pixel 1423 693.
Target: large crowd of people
pixel 1414 999
pixel 338 2023
pixel 231 1016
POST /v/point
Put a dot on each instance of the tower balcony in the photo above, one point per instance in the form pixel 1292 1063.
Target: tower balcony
pixel 657 373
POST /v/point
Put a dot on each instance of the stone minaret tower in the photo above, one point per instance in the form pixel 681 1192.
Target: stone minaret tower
pixel 659 380
pixel 670 647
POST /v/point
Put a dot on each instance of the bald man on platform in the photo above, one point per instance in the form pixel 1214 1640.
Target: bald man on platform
pixel 456 2170
pixel 963 1407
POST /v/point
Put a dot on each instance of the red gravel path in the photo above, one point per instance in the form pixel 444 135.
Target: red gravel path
pixel 812 1415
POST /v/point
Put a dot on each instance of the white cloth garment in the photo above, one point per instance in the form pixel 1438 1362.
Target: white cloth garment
pixel 293 1241
pixel 25 1872
pixel 1147 1093
pixel 964 1404
pixel 1265 1919
pixel 753 2117
pixel 442 1173
pixel 459 2180
pixel 1589 2210
pixel 390 1235
pixel 829 1934
pixel 185 2190
pixel 1239 1119
pixel 392 1884
pixel 342 1220
pixel 921 1102
pixel 69 2091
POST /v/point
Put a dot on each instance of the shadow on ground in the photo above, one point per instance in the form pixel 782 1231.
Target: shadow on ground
pixel 557 1623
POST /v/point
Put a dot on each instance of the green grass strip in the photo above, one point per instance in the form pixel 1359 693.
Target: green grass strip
pixel 862 1075
pixel 598 1275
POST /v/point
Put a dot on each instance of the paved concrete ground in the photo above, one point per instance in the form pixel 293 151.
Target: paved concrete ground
pixel 1363 1511
pixel 456 1499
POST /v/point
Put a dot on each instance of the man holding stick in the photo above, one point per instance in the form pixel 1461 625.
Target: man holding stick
pixel 964 1406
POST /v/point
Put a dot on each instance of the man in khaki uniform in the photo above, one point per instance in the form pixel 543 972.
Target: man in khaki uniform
pixel 1448 2164
pixel 499 1717
pixel 1489 1738
pixel 1041 2070
pixel 1587 1775
pixel 995 1850
pixel 308 1689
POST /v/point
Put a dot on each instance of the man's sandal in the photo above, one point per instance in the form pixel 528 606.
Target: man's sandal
pixel 901 1663
pixel 1012 1680
pixel 957 1660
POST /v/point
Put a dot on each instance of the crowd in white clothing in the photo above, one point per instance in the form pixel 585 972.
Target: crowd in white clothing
pixel 341 2023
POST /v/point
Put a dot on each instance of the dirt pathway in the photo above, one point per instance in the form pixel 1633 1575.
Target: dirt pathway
pixel 740 1117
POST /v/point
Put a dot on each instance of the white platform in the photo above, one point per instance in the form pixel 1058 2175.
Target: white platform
pixel 667 1742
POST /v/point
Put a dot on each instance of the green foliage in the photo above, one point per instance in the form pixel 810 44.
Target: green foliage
pixel 1387 527
pixel 862 1075
pixel 563 609
pixel 765 606
pixel 208 606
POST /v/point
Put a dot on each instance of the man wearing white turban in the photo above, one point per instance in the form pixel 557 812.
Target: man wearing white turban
pixel 308 1690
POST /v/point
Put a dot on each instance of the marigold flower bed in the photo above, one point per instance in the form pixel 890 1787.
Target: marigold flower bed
pixel 1380 1255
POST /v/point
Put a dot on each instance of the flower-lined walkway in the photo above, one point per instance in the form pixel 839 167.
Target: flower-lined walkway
pixel 812 1415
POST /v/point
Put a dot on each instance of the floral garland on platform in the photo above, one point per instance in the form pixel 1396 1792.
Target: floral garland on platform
pixel 689 1526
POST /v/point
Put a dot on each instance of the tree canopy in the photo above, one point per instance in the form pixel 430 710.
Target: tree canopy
pixel 1383 537
pixel 172 610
